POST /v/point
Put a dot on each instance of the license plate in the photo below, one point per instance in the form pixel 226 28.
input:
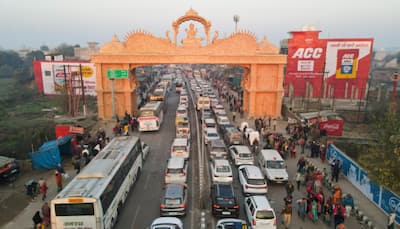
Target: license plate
pixel 226 213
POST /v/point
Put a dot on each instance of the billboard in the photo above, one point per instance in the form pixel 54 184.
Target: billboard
pixel 383 198
pixel 327 68
pixel 51 76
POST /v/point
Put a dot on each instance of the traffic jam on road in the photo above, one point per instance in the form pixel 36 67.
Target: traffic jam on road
pixel 230 162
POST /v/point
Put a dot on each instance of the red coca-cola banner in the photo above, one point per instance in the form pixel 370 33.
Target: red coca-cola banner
pixel 333 127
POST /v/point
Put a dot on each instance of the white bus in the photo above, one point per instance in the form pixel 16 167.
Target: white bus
pixel 151 116
pixel 93 199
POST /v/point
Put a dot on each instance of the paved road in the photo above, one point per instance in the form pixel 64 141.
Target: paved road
pixel 143 204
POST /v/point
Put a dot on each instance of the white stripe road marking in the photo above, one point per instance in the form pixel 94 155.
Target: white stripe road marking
pixel 135 216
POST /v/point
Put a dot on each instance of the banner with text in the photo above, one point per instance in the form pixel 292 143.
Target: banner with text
pixel 379 195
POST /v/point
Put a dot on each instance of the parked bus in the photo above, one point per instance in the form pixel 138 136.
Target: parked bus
pixel 151 116
pixel 95 196
pixel 159 94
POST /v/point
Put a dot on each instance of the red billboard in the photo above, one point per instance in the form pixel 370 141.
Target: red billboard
pixel 333 127
pixel 327 67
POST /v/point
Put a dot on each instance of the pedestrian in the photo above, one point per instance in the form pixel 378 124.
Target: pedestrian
pixel 76 162
pixel 338 214
pixel 298 180
pixel 289 188
pixel 341 226
pixel 37 220
pixel 314 210
pixel 391 219
pixel 233 116
pixel 274 124
pixel 126 129
pixel 302 208
pixel 46 214
pixel 336 170
pixel 43 188
pixel 287 215
pixel 58 180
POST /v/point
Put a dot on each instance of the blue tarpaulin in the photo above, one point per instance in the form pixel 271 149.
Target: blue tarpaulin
pixel 49 154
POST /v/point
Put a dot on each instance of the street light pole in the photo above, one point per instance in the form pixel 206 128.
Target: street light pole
pixel 322 89
pixel 236 20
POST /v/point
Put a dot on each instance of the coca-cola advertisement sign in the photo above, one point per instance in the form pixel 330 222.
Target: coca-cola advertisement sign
pixel 333 127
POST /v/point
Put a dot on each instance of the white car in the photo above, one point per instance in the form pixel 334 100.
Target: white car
pixel 222 120
pixel 231 223
pixel 252 180
pixel 241 155
pixel 181 111
pixel 176 171
pixel 210 134
pixel 259 212
pixel 167 223
pixel 221 171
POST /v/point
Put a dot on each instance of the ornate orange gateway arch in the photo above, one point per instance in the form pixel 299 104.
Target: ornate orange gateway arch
pixel 262 81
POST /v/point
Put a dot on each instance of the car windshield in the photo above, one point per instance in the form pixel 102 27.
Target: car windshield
pixel 256 181
pixel 223 169
pixel 245 155
pixel 212 134
pixel 265 214
pixel 175 171
pixel 275 164
pixel 179 148
pixel 172 201
pixel 218 149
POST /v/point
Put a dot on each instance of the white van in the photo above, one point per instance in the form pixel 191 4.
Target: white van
pixel 273 166
pixel 176 170
pixel 180 148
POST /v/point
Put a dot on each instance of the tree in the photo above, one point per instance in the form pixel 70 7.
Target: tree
pixel 44 48
pixel 10 58
pixel 382 160
pixel 66 50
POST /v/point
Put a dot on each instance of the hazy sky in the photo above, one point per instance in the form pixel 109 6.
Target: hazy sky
pixel 31 23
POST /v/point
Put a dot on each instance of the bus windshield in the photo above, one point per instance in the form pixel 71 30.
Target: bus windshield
pixel 74 209
pixel 147 113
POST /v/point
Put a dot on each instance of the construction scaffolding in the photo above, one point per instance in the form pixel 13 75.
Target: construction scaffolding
pixel 74 89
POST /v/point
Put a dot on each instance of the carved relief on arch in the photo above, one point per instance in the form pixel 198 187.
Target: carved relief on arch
pixel 191 15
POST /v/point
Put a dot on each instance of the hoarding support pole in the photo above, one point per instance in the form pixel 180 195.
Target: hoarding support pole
pixel 112 98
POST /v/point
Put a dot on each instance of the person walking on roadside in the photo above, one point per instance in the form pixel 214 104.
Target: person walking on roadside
pixel 287 215
pixel 233 116
pixel 37 220
pixel 298 180
pixel 336 170
pixel 43 188
pixel 339 213
pixel 302 208
pixel 391 219
pixel 289 188
pixel 58 180
pixel 46 214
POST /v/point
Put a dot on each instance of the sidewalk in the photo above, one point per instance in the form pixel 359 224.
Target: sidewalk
pixel 24 219
pixel 369 209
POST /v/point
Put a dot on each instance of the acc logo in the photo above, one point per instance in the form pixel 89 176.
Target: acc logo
pixel 87 71
pixel 307 53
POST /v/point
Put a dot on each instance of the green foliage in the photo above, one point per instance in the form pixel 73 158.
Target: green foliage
pixel 44 48
pixel 10 58
pixel 382 159
pixel 66 50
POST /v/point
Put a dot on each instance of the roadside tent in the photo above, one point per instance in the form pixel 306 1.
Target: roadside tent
pixel 48 155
